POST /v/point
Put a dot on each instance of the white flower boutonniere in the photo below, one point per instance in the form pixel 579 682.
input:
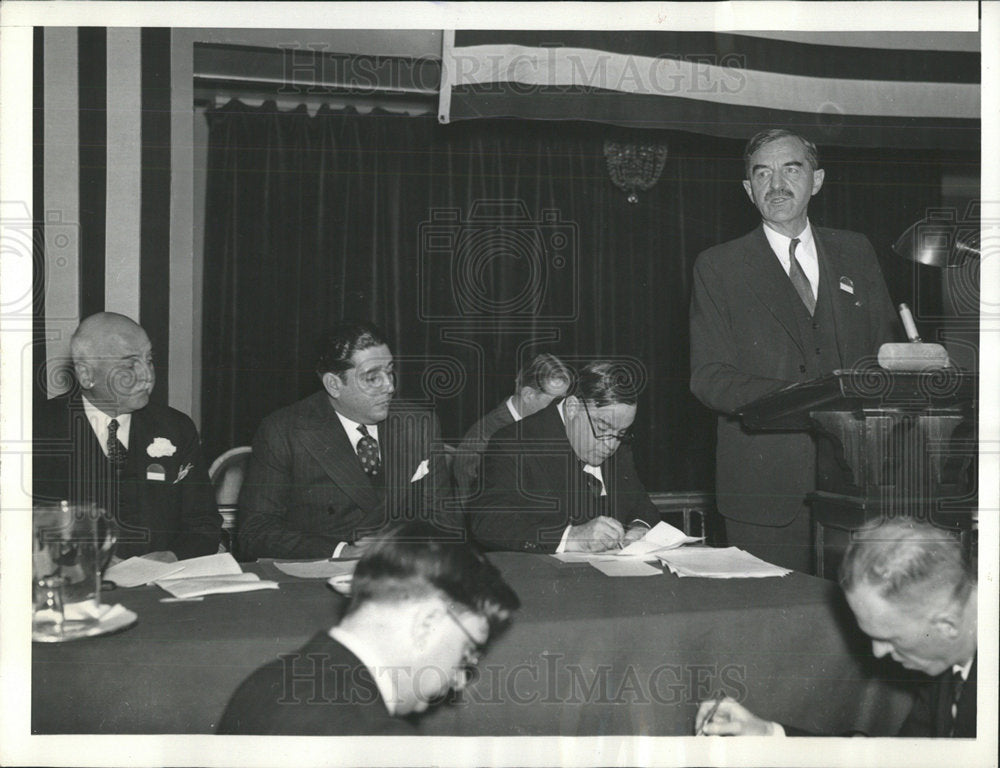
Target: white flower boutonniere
pixel 161 446
pixel 182 472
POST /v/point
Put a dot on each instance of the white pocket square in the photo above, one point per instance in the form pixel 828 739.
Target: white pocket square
pixel 422 470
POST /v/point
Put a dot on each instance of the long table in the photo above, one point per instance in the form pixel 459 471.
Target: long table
pixel 585 655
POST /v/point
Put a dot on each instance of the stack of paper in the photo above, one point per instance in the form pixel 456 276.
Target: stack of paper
pixel 660 537
pixel 724 563
pixel 195 576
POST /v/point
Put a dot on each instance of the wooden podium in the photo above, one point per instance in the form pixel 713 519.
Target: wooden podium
pixel 888 444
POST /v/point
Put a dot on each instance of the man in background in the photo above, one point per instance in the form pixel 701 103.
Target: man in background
pixel 105 443
pixel 421 612
pixel 563 479
pixel 537 384
pixel 331 470
pixel 786 303
pixel 913 591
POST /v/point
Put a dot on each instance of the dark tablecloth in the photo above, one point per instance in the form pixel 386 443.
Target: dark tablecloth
pixel 585 655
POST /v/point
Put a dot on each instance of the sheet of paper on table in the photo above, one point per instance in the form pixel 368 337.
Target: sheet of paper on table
pixel 722 563
pixel 215 585
pixel 661 536
pixel 137 571
pixel 317 569
pixel 626 566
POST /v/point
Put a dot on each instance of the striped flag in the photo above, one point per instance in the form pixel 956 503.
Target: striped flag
pixel 903 89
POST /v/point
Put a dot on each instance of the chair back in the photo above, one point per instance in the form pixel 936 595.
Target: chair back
pixel 226 474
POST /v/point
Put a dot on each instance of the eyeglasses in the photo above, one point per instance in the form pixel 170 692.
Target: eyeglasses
pixel 625 436
pixel 377 378
pixel 472 655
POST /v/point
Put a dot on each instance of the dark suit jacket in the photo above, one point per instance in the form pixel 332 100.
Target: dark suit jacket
pixel 931 713
pixel 468 459
pixel 322 689
pixel 746 342
pixel 177 513
pixel 305 490
pixel 534 486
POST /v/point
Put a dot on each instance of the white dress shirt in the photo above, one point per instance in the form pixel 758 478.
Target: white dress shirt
pixel 384 675
pixel 512 409
pixel 99 422
pixel 805 253
pixel 354 435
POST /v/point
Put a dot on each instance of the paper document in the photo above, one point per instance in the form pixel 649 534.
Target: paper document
pixel 626 566
pixel 585 557
pixel 317 569
pixel 137 571
pixel 723 563
pixel 213 585
pixel 660 537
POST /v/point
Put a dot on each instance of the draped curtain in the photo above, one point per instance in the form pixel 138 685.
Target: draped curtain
pixel 387 217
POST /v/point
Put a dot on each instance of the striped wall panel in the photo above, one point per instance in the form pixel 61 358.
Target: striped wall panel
pixel 105 176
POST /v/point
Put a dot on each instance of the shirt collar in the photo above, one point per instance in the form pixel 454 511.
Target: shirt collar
pixel 963 669
pixel 351 428
pixel 99 422
pixel 779 242
pixel 383 674
pixel 512 409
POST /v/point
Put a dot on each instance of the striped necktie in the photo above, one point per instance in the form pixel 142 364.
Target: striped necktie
pixel 799 280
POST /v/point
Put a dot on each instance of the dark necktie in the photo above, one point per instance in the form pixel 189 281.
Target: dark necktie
pixel 799 279
pixel 116 451
pixel 593 506
pixel 957 684
pixel 371 461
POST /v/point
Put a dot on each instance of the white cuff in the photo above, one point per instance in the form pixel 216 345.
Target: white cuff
pixel 338 550
pixel 777 730
pixel 562 542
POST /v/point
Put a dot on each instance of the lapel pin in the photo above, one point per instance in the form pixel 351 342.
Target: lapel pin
pixel 156 472
pixel 847 285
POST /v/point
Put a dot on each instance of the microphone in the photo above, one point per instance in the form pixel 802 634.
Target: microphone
pixel 915 355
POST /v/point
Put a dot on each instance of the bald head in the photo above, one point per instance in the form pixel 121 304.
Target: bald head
pixel 113 362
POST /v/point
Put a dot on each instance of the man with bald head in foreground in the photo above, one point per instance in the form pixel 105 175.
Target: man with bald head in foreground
pixel 104 442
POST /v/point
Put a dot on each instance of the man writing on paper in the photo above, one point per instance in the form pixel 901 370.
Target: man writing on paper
pixel 563 479
pixel 913 591
pixel 421 612
pixel 786 303
pixel 330 470
pixel 105 443
pixel 540 382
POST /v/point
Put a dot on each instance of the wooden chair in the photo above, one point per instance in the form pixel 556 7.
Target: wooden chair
pixel 226 474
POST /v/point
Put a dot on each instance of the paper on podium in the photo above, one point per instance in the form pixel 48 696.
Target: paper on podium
pixel 723 563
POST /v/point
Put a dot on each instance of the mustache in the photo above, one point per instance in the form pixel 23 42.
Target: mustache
pixel 778 193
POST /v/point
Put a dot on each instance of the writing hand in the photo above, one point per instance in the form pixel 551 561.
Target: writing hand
pixel 730 719
pixel 598 535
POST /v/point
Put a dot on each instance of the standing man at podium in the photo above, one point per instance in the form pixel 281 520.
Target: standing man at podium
pixel 785 303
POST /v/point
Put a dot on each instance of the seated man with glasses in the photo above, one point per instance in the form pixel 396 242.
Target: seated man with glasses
pixel 563 479
pixel 329 471
pixel 421 612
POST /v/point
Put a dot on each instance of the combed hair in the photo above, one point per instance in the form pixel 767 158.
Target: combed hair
pixel 758 140
pixel 342 341
pixel 412 561
pixel 603 382
pixel 543 369
pixel 902 556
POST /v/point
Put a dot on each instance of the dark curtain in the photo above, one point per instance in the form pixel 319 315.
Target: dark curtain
pixel 396 219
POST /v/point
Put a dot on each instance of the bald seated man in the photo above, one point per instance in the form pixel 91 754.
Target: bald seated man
pixel 104 442
pixel 913 590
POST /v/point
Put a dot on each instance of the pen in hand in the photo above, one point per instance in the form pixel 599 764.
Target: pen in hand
pixel 711 714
